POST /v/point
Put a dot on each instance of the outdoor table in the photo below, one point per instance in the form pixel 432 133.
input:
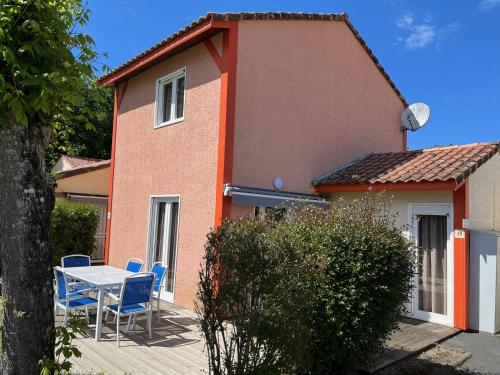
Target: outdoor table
pixel 102 278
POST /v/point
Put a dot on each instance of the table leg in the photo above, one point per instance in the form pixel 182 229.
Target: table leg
pixel 100 305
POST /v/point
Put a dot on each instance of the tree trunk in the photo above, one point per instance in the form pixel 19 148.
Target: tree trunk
pixel 26 201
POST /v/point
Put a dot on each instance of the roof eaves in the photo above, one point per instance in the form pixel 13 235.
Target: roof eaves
pixel 224 17
pixel 212 16
pixel 81 170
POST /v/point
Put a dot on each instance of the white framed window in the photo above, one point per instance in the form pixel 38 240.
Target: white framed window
pixel 170 92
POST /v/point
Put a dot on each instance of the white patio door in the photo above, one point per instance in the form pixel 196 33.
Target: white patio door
pixel 432 297
pixel 163 231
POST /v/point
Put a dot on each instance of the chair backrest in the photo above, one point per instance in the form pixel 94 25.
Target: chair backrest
pixel 137 289
pixel 134 265
pixel 60 279
pixel 76 260
pixel 160 271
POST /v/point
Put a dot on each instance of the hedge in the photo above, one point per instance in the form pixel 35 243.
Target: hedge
pixel 317 292
pixel 73 228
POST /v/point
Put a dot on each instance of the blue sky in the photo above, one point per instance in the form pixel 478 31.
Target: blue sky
pixel 445 53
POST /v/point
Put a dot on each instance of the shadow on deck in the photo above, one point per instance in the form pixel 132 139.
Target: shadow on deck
pixel 176 347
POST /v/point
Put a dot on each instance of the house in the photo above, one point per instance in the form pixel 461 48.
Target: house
pixel 85 180
pixel 441 195
pixel 242 111
pixel 231 103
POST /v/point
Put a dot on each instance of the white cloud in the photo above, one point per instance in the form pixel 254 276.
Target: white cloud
pixel 428 18
pixel 421 36
pixel 422 33
pixel 485 5
pixel 405 21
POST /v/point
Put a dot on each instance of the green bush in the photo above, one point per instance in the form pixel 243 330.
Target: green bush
pixel 64 348
pixel 73 227
pixel 317 292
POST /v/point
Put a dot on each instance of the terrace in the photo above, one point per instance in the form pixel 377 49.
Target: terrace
pixel 177 346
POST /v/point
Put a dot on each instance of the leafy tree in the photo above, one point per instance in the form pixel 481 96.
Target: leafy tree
pixel 43 58
pixel 89 134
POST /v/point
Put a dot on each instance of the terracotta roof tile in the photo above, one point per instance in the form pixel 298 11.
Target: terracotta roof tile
pixel 80 161
pixel 439 164
pixel 81 165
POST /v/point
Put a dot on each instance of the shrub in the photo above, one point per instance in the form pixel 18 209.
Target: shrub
pixel 64 348
pixel 315 293
pixel 73 227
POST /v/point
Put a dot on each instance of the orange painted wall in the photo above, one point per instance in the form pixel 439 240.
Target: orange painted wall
pixel 461 259
pixel 308 99
pixel 175 160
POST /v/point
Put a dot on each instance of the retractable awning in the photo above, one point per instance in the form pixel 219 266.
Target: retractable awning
pixel 270 198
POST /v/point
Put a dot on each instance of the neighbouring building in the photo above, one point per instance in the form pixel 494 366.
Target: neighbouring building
pixel 85 180
pixel 242 111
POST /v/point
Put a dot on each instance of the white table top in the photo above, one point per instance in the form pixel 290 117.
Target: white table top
pixel 100 276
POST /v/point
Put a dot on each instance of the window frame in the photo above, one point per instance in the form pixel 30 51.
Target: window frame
pixel 160 83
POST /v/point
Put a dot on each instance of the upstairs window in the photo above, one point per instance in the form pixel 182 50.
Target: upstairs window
pixel 170 98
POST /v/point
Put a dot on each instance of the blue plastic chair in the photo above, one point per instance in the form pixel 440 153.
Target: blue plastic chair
pixel 135 298
pixel 160 271
pixel 68 300
pixel 76 260
pixel 134 265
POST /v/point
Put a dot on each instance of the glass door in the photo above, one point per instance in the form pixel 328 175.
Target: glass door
pixel 163 240
pixel 433 285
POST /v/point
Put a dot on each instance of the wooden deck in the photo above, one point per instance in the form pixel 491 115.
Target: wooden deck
pixel 412 337
pixel 176 347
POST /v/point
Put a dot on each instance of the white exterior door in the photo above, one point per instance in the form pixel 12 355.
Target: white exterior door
pixel 163 233
pixel 432 296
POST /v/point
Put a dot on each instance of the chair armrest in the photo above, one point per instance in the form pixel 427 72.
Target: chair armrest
pixel 113 296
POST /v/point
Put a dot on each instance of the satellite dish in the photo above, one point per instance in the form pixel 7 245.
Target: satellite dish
pixel 415 116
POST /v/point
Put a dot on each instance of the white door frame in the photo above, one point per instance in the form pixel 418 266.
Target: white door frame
pixel 153 212
pixel 442 209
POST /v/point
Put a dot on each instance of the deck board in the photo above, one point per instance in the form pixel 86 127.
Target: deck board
pixel 177 347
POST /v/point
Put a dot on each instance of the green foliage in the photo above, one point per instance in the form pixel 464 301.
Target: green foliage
pixel 90 130
pixel 316 292
pixel 65 349
pixel 73 227
pixel 43 58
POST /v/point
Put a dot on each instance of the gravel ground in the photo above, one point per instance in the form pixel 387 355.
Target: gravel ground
pixel 438 360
